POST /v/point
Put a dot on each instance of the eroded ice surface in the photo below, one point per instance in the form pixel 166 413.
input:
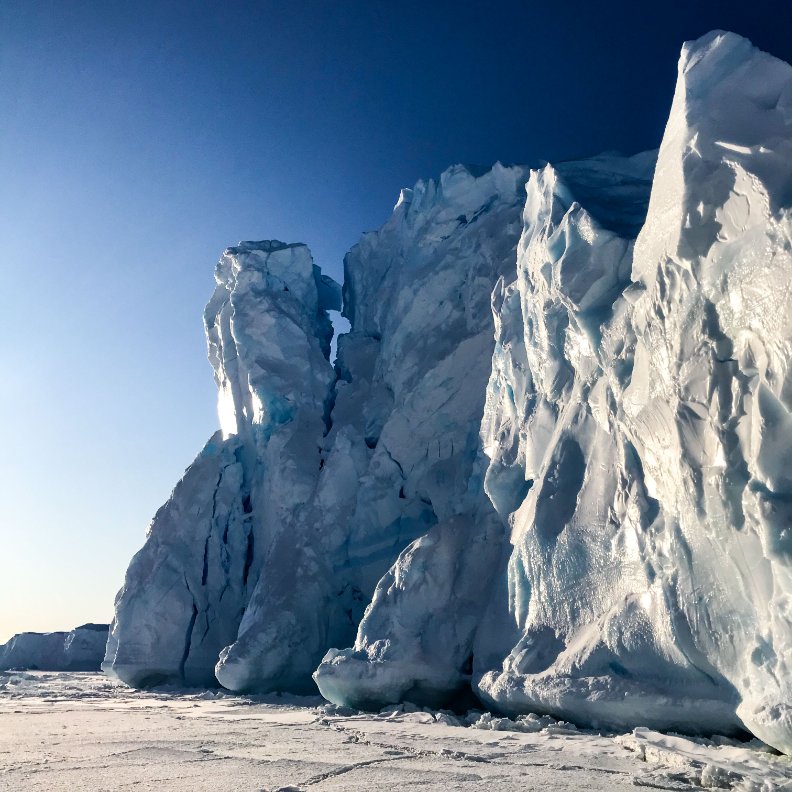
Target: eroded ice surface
pixel 595 368
pixel 196 588
pixel 419 364
pixel 274 541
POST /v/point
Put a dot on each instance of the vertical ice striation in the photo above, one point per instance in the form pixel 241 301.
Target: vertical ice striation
pixel 709 400
pixel 592 623
pixel 418 357
pixel 273 544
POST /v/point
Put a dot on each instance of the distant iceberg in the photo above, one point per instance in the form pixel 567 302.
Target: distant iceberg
pixel 82 649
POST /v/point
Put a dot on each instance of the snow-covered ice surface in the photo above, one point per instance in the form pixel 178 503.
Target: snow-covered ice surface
pixel 551 459
pixel 66 731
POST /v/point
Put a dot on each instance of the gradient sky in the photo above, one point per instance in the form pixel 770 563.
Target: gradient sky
pixel 138 139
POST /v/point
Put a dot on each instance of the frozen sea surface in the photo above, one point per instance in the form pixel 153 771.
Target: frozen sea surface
pixel 80 731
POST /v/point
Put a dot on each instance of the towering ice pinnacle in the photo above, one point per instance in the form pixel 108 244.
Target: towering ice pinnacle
pixel 551 461
pixel 190 591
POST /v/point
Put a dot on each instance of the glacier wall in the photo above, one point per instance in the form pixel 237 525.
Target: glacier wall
pixel 550 462
pixel 193 590
pixel 421 493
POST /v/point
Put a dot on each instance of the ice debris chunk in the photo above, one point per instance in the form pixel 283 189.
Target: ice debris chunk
pixel 82 649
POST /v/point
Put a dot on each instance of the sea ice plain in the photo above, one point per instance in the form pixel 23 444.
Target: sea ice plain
pixel 65 731
pixel 550 463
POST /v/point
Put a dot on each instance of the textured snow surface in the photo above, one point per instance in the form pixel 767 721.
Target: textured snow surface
pixel 63 732
pixel 551 462
pixel 82 649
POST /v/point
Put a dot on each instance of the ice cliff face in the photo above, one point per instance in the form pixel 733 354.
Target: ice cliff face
pixel 419 364
pixel 551 461
pixel 273 543
pixel 82 649
pixel 713 330
pixel 642 392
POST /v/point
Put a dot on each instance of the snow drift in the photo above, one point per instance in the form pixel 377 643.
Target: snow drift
pixel 550 461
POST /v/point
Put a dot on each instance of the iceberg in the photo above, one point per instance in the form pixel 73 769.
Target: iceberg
pixel 196 587
pixel 649 578
pixel 549 464
pixel 82 649
pixel 634 426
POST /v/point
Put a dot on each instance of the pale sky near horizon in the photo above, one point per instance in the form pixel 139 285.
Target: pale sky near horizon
pixel 137 140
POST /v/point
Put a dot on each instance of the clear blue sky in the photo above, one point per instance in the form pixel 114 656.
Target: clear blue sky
pixel 138 139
